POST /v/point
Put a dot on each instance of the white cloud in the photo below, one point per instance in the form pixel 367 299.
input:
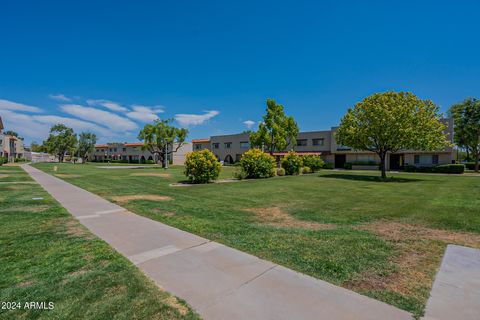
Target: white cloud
pixel 10 105
pixel 105 118
pixel 145 113
pixel 249 123
pixel 195 119
pixel 59 97
pixel 37 127
pixel 107 104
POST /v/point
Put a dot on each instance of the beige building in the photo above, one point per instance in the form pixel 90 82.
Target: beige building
pixel 229 149
pixel 11 147
pixel 133 153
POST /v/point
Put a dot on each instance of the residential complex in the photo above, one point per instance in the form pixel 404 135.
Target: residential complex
pixel 11 147
pixel 229 149
pixel 133 153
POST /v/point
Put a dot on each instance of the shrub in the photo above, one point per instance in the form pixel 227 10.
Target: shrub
pixel 257 164
pixel 240 175
pixel 149 162
pixel 3 160
pixel 306 170
pixel 446 168
pixel 314 162
pixel 328 165
pixel 292 163
pixel 470 165
pixel 347 166
pixel 280 172
pixel 449 168
pixel 202 166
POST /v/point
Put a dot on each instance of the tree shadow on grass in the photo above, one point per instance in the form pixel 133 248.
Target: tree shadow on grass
pixel 369 178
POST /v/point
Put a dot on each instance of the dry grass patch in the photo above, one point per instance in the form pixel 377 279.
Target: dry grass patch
pixel 174 303
pixel 75 229
pixel 149 197
pixel 277 217
pixel 151 174
pixel 26 209
pixel 3 175
pixel 25 284
pixel 420 250
pixel 65 175
pixel 396 231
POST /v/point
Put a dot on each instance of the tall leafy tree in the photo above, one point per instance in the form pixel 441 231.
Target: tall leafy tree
pixel 12 133
pixel 276 131
pixel 86 145
pixel 162 139
pixel 35 147
pixel 466 118
pixel 60 140
pixel 392 121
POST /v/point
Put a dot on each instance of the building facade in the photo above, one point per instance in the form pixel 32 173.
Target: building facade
pixel 229 149
pixel 133 153
pixel 11 147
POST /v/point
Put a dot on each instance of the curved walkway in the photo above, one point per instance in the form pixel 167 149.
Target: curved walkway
pixel 217 281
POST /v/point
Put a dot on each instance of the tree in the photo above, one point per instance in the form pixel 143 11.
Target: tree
pixel 35 147
pixel 12 133
pixel 276 131
pixel 162 139
pixel 86 145
pixel 60 140
pixel 392 121
pixel 466 118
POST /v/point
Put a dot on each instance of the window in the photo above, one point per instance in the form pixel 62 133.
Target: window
pixel 198 146
pixel 215 145
pixel 115 150
pixel 302 142
pixel 425 159
pixel 124 149
pixel 318 142
pixel 244 144
pixel 238 157
pixel 98 150
pixel 228 145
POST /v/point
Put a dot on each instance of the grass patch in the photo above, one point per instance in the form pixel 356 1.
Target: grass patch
pixel 47 256
pixel 339 226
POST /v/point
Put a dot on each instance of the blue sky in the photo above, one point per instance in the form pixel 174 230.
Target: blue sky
pixel 111 66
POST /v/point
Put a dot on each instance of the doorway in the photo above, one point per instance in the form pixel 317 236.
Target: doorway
pixel 340 160
pixel 396 161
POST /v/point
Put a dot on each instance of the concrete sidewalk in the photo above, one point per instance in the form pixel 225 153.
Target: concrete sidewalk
pixel 456 290
pixel 217 281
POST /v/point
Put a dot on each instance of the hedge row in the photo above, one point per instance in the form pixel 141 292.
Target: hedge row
pixel 445 168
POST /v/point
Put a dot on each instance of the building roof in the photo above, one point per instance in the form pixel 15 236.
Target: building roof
pixel 305 153
pixel 201 140
pixel 101 146
pixel 133 144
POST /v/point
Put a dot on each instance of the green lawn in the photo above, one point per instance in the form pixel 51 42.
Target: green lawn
pixel 47 256
pixel 382 239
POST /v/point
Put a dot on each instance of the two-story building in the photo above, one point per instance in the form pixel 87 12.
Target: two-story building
pixel 229 149
pixel 11 147
pixel 133 153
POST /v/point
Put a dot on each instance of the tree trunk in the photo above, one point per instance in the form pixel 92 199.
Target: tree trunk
pixel 477 155
pixel 382 156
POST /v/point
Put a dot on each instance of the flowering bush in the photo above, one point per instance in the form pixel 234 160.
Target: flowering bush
pixel 257 164
pixel 202 166
pixel 280 172
pixel 314 162
pixel 292 163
